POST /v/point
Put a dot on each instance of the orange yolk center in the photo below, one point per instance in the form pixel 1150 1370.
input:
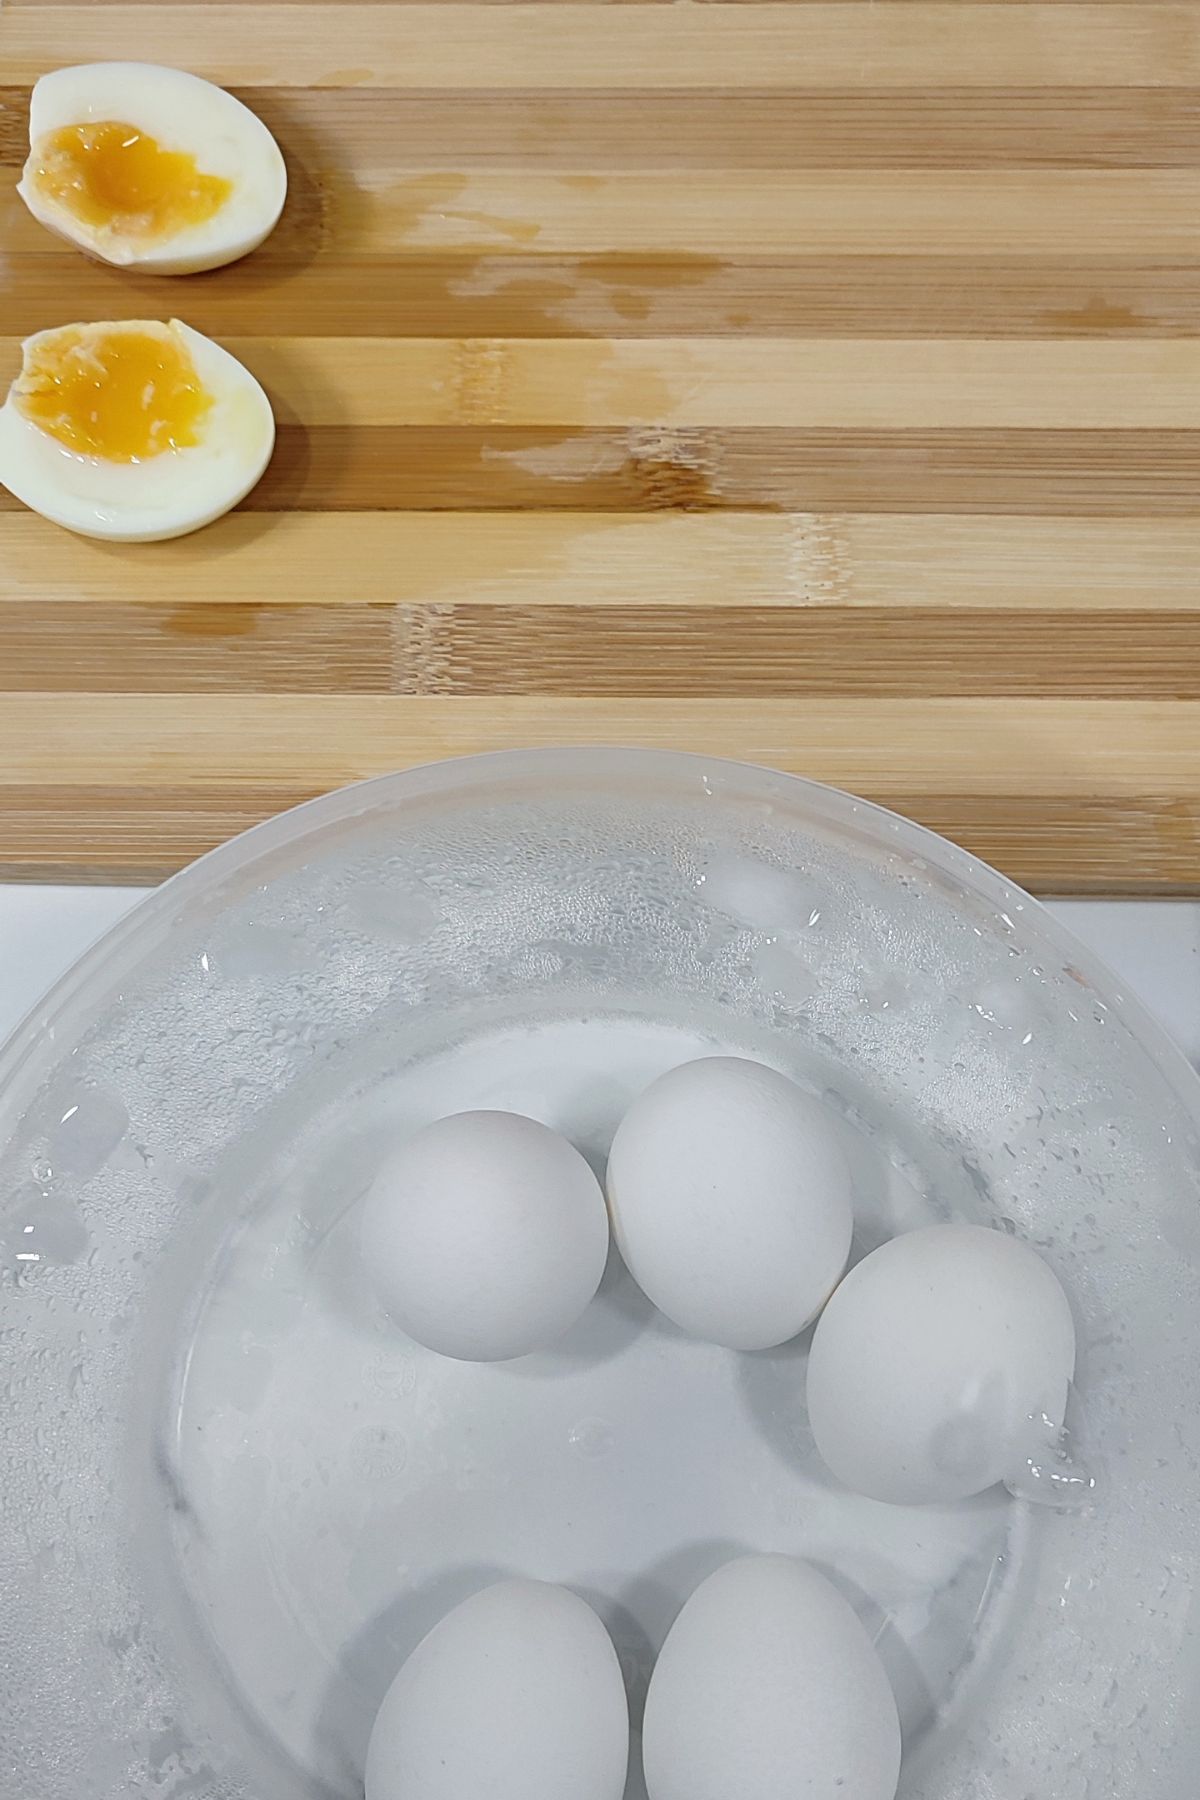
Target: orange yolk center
pixel 122 394
pixel 111 174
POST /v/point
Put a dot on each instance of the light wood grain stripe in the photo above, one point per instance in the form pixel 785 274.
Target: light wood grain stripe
pixel 693 561
pixel 466 46
pixel 681 383
pixel 588 132
pixel 1145 212
pixel 619 651
pixel 530 296
pixel 1086 748
pixel 1123 214
pixel 1120 212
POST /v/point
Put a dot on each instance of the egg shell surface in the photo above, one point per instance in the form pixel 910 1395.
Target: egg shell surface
pixel 485 1236
pixel 515 1695
pixel 942 1358
pixel 768 1687
pixel 730 1200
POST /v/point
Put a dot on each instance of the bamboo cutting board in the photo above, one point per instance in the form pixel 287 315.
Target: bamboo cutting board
pixel 815 382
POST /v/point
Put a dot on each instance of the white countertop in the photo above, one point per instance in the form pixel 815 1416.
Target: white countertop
pixel 1153 945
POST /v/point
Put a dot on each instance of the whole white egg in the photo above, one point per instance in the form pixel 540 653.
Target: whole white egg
pixel 132 430
pixel 150 168
pixel 731 1201
pixel 940 1365
pixel 485 1236
pixel 768 1686
pixel 516 1695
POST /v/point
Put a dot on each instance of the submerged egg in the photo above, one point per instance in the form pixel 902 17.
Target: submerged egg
pixel 485 1236
pixel 132 430
pixel 940 1364
pixel 516 1695
pixel 730 1200
pixel 150 168
pixel 768 1686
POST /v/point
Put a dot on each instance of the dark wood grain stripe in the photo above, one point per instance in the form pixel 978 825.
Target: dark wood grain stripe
pixel 741 651
pixel 1083 474
pixel 384 128
pixel 740 128
pixel 1049 843
pixel 201 649
pixel 34 5
pixel 126 835
pixel 465 296
pixel 1064 845
pixel 600 651
pixel 1074 473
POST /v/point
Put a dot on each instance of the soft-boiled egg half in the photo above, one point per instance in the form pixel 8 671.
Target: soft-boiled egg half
pixel 132 431
pixel 150 168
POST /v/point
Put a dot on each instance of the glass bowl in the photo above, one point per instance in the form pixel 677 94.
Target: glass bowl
pixel 234 1497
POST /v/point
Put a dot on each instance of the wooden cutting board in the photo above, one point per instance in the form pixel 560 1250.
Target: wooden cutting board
pixel 812 383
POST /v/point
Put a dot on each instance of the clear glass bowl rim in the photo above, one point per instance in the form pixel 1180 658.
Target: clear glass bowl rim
pixel 110 960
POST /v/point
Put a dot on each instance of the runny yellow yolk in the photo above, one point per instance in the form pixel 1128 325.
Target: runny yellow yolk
pixel 124 394
pixel 112 174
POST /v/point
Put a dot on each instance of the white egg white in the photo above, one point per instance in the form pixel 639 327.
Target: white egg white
pixel 162 496
pixel 180 112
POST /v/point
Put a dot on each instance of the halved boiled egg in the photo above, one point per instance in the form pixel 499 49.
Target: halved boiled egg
pixel 132 431
pixel 150 168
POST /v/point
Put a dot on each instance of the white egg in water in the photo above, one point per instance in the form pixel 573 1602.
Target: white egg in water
pixel 132 430
pixel 731 1201
pixel 942 1361
pixel 485 1236
pixel 150 168
pixel 516 1694
pixel 767 1686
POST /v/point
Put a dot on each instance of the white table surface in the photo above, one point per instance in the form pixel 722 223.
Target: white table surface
pixel 1153 945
